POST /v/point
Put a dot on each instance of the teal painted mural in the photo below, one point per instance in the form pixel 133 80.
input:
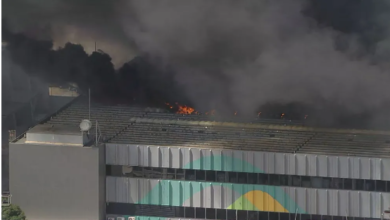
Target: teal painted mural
pixel 244 196
pixel 222 163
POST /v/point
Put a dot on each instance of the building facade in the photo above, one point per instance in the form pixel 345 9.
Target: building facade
pixel 231 184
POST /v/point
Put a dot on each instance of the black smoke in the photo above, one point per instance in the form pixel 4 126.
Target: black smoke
pixel 325 58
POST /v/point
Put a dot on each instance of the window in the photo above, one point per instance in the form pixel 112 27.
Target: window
pixel 306 181
pixel 190 174
pixel 283 180
pixel 380 186
pixel 210 213
pixel 233 177
pixel 230 214
pixel 347 184
pixel 252 215
pixel 221 176
pixel 242 214
pixel 200 213
pixel 263 179
pixel 359 184
pixel 295 181
pixel 284 216
pixel 274 179
pixel 263 216
pixel 200 175
pixel 369 185
pixel 180 174
pixel 189 212
pixel 221 214
pixel 210 176
pixel 326 183
pixel 273 215
pixel 252 178
pixel 242 178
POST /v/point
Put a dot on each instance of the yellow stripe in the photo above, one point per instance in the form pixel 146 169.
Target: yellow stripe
pixel 264 202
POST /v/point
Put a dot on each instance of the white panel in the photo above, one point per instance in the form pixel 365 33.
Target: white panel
pixel 301 164
pixel 280 163
pixel 165 157
pixel 301 198
pixel 145 156
pixel 323 166
pixel 344 203
pixel 122 154
pixel 249 158
pixel 333 202
pixel 110 189
pixel 376 169
pixel 228 195
pixel 206 154
pixel 365 208
pixel 355 168
pixel 334 167
pixel 292 161
pixel 270 164
pixel 226 165
pixel 312 201
pixel 365 168
pixel 291 164
pixel 133 155
pixel 355 204
pixel 208 197
pixel 259 160
pixel 217 197
pixel 187 157
pixel 195 155
pixel 238 155
pixel 344 167
pixel 111 154
pixel 386 169
pixel 312 165
pixel 322 202
pixel 376 205
pixel 177 158
pixel 155 157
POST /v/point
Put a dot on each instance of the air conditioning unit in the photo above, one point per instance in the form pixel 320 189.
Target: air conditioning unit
pixel 111 218
pixel 120 218
pixel 131 218
pixel 127 169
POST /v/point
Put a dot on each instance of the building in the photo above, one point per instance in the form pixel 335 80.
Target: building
pixel 162 165
pixel 26 101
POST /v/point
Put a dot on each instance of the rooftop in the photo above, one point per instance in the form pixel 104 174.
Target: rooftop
pixel 146 126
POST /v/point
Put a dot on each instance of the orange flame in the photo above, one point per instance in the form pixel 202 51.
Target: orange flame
pixel 185 110
pixel 282 115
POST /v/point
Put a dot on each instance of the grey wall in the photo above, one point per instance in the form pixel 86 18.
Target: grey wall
pixel 254 161
pixel 222 196
pixel 57 182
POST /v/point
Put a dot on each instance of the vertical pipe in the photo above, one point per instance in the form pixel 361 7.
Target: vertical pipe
pixel 89 104
pixel 96 135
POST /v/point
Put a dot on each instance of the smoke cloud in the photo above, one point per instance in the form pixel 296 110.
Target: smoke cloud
pixel 332 55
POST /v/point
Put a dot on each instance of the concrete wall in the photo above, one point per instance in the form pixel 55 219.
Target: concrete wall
pixel 247 197
pixel 57 182
pixel 249 161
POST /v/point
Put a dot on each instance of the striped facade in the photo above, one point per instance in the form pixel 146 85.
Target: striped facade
pixel 249 197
